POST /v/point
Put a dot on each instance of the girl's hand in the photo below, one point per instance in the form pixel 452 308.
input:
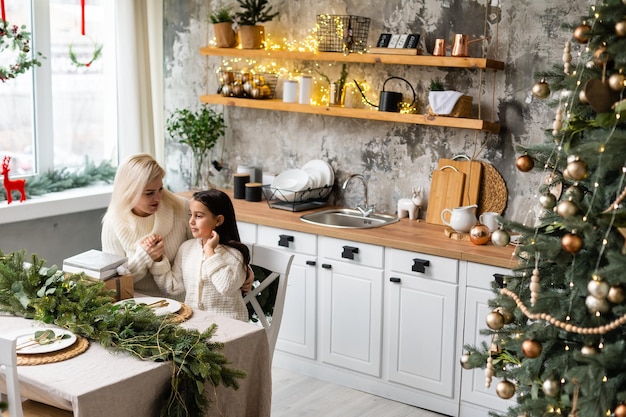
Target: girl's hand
pixel 211 244
pixel 154 247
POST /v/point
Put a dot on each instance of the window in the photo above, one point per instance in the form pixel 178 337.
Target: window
pixel 60 113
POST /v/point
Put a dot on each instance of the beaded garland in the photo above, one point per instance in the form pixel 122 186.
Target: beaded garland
pixel 13 37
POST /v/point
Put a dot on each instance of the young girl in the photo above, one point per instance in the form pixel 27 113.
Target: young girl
pixel 213 265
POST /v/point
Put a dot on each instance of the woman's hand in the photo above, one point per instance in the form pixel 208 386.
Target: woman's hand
pixel 211 244
pixel 154 247
pixel 247 284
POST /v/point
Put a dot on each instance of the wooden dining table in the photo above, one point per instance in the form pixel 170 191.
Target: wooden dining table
pixel 100 382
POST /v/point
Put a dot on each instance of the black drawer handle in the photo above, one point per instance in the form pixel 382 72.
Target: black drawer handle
pixel 312 263
pixel 394 279
pixel 419 265
pixel 349 251
pixel 284 240
pixel 327 266
pixel 499 279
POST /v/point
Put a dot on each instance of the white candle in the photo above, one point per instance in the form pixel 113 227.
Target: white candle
pixel 289 91
pixel 305 89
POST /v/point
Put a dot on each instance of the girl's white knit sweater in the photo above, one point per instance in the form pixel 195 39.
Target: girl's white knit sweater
pixel 212 284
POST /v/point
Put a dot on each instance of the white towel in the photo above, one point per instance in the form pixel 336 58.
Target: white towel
pixel 442 102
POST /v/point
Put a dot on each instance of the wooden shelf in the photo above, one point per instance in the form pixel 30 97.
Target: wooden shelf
pixel 365 58
pixel 420 119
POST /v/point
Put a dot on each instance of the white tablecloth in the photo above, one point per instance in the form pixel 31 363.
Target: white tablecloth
pixel 98 383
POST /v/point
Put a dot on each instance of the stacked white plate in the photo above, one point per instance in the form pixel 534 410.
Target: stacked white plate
pixel 291 185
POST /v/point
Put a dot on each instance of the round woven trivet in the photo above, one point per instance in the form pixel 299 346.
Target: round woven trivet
pixel 183 314
pixel 453 234
pixel 75 349
pixel 493 192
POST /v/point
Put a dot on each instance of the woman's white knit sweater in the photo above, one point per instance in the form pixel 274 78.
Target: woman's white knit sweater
pixel 212 284
pixel 122 235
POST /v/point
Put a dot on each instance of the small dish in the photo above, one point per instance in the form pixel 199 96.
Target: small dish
pixel 160 305
pixel 27 344
pixel 289 183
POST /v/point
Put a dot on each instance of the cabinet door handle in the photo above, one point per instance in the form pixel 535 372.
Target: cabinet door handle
pixel 499 279
pixel 312 263
pixel 327 266
pixel 349 251
pixel 419 265
pixel 284 240
pixel 394 279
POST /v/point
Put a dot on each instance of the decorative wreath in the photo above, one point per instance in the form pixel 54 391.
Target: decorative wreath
pixel 97 51
pixel 17 39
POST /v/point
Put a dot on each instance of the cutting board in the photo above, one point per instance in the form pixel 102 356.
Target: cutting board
pixel 473 176
pixel 446 191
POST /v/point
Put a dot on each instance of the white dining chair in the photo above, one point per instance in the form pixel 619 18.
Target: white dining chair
pixel 278 263
pixel 17 408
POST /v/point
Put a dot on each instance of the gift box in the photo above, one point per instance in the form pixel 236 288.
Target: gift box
pixel 122 285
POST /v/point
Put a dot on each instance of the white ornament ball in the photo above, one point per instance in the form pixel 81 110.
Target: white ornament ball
pixel 550 387
pixel 596 305
pixel 500 238
pixel 598 288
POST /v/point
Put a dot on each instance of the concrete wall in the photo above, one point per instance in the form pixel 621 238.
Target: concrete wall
pixel 394 157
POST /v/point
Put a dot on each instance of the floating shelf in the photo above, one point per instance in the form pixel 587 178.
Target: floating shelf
pixel 365 58
pixel 420 119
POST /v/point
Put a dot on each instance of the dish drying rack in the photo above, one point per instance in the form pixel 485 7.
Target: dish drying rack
pixel 308 199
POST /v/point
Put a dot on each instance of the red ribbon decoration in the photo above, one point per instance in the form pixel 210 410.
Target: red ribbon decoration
pixel 4 19
pixel 82 17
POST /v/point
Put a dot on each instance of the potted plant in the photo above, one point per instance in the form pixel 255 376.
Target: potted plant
pixel 251 33
pixel 200 130
pixel 337 89
pixel 442 102
pixel 223 20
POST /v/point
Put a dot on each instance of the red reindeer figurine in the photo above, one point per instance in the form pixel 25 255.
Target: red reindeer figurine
pixel 12 185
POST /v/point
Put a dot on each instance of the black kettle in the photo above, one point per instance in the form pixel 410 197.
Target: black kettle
pixel 389 100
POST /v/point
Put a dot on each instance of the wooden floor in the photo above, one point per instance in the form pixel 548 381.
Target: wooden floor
pixel 296 395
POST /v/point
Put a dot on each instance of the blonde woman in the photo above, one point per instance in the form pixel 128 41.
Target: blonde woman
pixel 141 207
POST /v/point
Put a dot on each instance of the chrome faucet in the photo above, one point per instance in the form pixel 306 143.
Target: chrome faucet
pixel 365 210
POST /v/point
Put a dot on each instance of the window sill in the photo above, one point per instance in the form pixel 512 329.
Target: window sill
pixel 54 204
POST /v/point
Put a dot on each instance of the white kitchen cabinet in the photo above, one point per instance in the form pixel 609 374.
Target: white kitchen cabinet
pixel 247 232
pixel 476 399
pixel 297 329
pixel 421 298
pixel 351 301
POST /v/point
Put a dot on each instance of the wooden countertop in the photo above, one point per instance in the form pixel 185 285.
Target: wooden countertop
pixel 410 235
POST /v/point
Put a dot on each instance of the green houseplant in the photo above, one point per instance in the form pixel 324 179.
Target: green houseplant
pixel 223 20
pixel 251 33
pixel 200 130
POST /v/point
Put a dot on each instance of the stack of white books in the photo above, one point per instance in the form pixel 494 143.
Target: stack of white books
pixel 94 263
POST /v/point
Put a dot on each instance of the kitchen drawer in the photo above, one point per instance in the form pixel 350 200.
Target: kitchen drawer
pixel 422 265
pixel 353 252
pixel 304 243
pixel 481 275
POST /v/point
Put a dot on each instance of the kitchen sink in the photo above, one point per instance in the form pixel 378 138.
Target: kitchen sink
pixel 348 218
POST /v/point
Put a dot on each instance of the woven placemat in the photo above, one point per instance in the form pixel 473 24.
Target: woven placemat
pixel 183 314
pixel 493 193
pixel 453 234
pixel 75 349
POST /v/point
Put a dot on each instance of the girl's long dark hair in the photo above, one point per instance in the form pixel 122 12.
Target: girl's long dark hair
pixel 219 203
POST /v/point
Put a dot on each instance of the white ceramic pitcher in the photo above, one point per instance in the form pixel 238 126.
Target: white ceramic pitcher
pixel 461 218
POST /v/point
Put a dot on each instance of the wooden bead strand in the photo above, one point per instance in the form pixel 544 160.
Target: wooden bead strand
pixel 535 287
pixel 567 57
pixel 557 125
pixel 489 371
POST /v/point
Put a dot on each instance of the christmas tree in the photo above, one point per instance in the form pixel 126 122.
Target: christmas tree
pixel 557 323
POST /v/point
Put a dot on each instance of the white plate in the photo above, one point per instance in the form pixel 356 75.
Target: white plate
pixel 27 336
pixel 170 306
pixel 325 171
pixel 289 183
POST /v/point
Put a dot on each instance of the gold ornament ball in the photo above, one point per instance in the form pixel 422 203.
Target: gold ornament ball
pixel 227 90
pixel 620 410
pixel 588 350
pixel 495 320
pixel 550 387
pixel 566 209
pixel 508 316
pixel 573 193
pixel 531 348
pixel 616 82
pixel 576 170
pixel 525 163
pixel 620 28
pixel 600 56
pixel 582 96
pixel 616 294
pixel 505 389
pixel 465 361
pixel 571 243
pixel 547 201
pixel 479 234
pixel 581 33
pixel 541 90
pixel 500 238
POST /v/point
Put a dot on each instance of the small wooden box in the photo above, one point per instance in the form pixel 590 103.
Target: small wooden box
pixel 122 285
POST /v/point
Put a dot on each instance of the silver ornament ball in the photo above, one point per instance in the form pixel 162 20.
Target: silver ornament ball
pixel 500 238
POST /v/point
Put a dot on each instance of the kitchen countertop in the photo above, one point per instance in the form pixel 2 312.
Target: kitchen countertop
pixel 410 235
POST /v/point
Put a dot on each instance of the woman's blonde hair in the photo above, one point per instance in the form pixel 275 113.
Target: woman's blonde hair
pixel 131 179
